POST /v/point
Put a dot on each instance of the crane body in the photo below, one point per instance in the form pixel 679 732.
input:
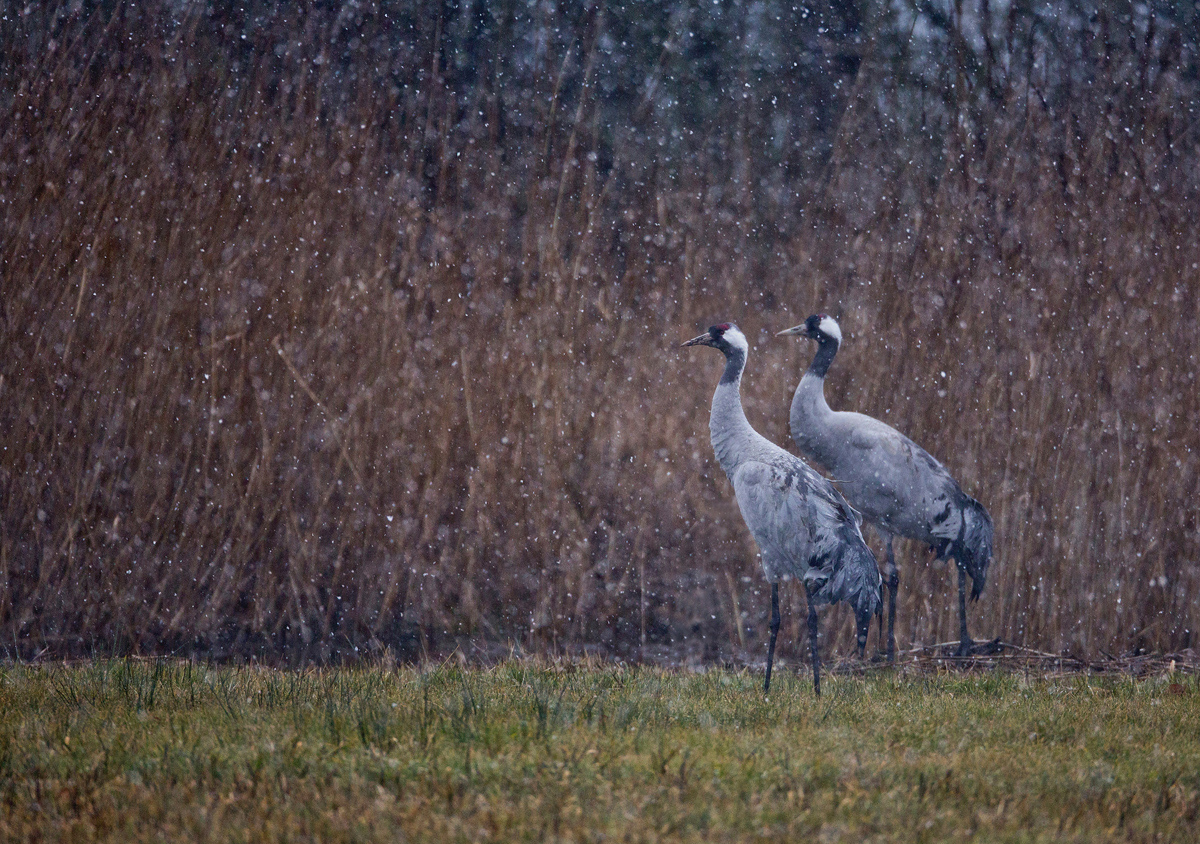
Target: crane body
pixel 900 488
pixel 803 526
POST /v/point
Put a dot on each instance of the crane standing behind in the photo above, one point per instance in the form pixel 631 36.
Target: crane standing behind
pixel 897 486
pixel 803 526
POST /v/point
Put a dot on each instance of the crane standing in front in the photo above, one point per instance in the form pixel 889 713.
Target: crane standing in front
pixel 803 526
pixel 897 486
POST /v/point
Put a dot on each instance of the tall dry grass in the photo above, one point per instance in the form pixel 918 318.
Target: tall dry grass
pixel 296 365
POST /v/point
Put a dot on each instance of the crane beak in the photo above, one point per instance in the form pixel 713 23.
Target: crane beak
pixel 702 340
pixel 794 330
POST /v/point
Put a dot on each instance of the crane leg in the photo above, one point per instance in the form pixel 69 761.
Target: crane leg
pixel 864 626
pixel 879 617
pixel 774 633
pixel 893 582
pixel 965 644
pixel 812 642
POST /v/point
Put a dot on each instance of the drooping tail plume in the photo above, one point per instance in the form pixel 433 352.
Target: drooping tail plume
pixel 851 576
pixel 974 549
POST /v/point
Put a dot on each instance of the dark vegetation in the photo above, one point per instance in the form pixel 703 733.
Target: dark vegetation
pixel 349 328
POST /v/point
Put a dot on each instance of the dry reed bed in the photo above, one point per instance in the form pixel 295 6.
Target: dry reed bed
pixel 282 375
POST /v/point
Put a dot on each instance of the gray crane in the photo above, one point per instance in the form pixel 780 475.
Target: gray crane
pixel 898 487
pixel 803 526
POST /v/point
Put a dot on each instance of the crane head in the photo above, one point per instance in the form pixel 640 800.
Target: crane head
pixel 726 337
pixel 820 327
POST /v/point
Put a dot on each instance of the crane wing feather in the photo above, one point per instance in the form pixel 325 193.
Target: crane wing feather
pixel 896 483
pixel 805 529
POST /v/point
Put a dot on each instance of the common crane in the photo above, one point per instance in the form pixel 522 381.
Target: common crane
pixel 803 526
pixel 898 487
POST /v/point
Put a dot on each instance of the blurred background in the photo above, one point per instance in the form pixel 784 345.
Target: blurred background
pixel 338 327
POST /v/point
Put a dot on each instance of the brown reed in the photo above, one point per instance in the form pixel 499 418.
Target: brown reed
pixel 286 375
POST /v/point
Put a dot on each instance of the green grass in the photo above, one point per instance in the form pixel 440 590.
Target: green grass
pixel 134 750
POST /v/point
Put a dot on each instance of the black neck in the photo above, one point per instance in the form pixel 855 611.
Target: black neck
pixel 826 349
pixel 735 362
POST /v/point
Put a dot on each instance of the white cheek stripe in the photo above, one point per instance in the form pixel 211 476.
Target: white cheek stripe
pixel 736 338
pixel 829 326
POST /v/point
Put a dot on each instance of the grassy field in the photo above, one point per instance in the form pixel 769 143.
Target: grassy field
pixel 139 751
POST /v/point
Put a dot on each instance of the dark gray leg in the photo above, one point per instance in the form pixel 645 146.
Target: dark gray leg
pixel 893 582
pixel 774 633
pixel 812 642
pixel 882 646
pixel 864 626
pixel 965 645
